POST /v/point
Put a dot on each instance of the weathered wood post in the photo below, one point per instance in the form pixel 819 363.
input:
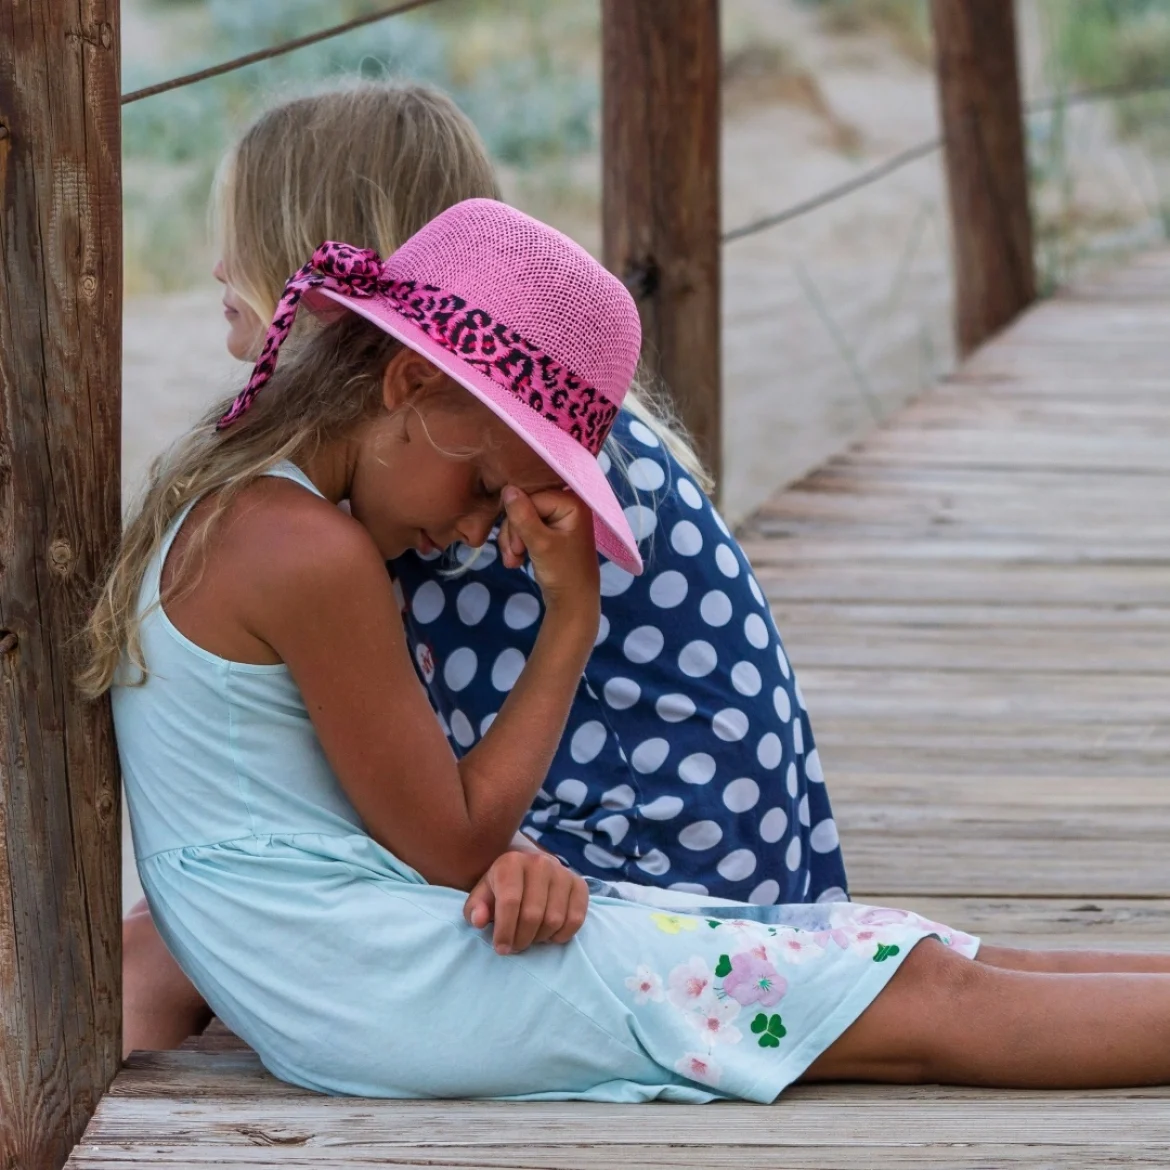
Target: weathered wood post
pixel 60 417
pixel 660 191
pixel 987 175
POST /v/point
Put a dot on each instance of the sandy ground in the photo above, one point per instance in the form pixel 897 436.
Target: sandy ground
pixel 830 322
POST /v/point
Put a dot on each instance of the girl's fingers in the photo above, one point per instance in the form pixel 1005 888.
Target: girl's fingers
pixel 534 905
pixel 577 909
pixel 507 880
pixel 478 908
pixel 556 909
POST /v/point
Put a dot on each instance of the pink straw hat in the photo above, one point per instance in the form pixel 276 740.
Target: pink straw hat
pixel 514 311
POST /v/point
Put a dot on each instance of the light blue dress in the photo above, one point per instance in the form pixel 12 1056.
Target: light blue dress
pixel 349 974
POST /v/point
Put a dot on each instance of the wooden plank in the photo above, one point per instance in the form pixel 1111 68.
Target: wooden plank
pixel 987 178
pixel 60 516
pixel 660 193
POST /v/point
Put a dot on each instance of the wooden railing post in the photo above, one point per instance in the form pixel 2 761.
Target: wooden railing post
pixel 660 192
pixel 987 176
pixel 60 417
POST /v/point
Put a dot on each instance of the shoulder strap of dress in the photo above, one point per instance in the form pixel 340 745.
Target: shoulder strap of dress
pixel 288 470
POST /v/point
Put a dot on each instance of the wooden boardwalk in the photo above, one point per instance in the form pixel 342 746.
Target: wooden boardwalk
pixel 978 601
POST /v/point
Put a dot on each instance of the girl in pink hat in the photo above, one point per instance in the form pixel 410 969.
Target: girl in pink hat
pixel 338 886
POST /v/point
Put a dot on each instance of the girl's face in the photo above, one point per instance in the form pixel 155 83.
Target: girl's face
pixel 430 476
pixel 245 329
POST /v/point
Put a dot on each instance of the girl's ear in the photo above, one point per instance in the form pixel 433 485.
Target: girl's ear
pixel 408 376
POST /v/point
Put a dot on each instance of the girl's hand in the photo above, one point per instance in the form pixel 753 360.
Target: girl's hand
pixel 531 897
pixel 556 530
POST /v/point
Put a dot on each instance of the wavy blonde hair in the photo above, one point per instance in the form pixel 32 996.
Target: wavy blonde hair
pixel 368 164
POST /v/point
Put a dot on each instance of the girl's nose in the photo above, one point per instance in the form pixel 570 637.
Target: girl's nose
pixel 219 272
pixel 476 527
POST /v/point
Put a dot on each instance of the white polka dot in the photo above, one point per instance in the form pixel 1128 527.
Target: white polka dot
pixel 577 828
pixel 793 783
pixel 643 644
pixel 832 894
pixel 668 589
pixel 792 855
pixel 807 884
pixel 722 525
pixel 622 693
pixel 476 559
pixel 650 755
pixel 701 835
pixel 765 894
pixel 757 592
pixel 587 741
pixel 782 704
pixel 782 661
pixel 622 796
pixel 746 679
pixel 688 887
pixel 642 521
pixel 812 767
pixel 715 608
pixel 664 808
pixel 399 596
pixel 443 723
pixel 615 826
pixel 737 865
pixel 643 433
pixel 430 556
pixel 697 768
pixel 521 610
pixel 602 630
pixel 755 629
pixel 727 561
pixel 674 708
pixel 472 603
pixel 770 751
pixel 602 857
pixel 461 729
pixel 798 737
pixel 686 539
pixel 802 811
pixel 730 724
pixel 459 668
pixel 690 494
pixel 604 462
pixel 614 580
pixel 646 475
pixel 773 825
pixel 506 669
pixel 486 722
pixel 572 791
pixel 697 659
pixel 426 661
pixel 655 862
pixel 742 794
pixel 428 602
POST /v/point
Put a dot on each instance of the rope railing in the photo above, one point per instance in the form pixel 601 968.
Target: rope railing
pixel 235 63
pixel 926 147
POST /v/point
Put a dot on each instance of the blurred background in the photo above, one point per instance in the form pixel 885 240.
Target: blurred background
pixel 831 321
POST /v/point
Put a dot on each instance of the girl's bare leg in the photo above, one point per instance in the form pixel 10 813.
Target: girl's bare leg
pixel 160 1007
pixel 1074 962
pixel 944 1019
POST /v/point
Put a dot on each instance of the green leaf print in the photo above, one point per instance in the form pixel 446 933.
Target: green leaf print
pixel 885 952
pixel 769 1029
pixel 714 923
pixel 723 967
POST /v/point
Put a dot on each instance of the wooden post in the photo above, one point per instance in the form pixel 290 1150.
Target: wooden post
pixel 660 192
pixel 982 123
pixel 60 418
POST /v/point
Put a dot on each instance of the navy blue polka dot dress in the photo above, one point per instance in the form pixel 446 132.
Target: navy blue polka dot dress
pixel 688 760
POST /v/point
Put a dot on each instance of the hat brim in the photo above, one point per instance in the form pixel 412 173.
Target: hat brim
pixel 572 462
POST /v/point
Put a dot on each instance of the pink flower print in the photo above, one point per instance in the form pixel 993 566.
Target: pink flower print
pixel 797 947
pixel 646 985
pixel 714 1020
pixel 882 916
pixel 691 983
pixel 698 1067
pixel 754 980
pixel 833 934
